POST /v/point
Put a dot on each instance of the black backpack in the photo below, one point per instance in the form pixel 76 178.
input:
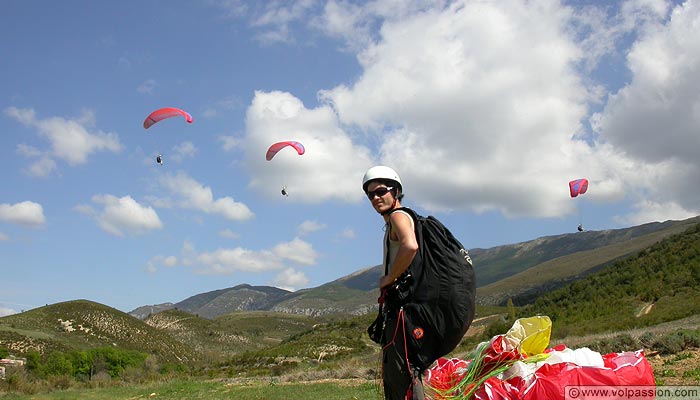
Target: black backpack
pixel 437 292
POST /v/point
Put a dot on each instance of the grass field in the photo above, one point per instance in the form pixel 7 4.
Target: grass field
pixel 221 389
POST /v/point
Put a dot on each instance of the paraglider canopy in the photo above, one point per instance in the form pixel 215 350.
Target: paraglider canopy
pixel 275 148
pixel 578 186
pixel 163 113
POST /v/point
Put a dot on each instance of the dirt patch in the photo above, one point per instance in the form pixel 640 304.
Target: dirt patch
pixel 646 309
pixel 676 369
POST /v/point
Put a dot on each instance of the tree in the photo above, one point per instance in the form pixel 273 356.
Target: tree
pixel 33 361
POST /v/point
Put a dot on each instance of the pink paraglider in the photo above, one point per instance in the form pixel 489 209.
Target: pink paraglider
pixel 578 186
pixel 275 148
pixel 163 113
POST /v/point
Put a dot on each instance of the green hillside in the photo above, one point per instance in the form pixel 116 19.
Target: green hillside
pixel 227 335
pixel 82 325
pixel 333 343
pixel 659 284
pixel 501 262
pixel 333 299
pixel 526 286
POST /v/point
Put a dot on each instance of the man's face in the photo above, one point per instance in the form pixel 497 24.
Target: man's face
pixel 380 196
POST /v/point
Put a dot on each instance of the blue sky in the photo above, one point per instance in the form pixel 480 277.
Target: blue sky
pixel 486 109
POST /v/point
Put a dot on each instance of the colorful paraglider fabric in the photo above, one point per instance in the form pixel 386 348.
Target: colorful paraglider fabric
pixel 163 113
pixel 275 148
pixel 507 368
pixel 578 186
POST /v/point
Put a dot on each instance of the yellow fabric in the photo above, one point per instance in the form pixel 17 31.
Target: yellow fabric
pixel 532 334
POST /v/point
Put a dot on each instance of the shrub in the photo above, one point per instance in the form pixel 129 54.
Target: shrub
pixel 615 344
pixel 21 382
pixel 499 327
pixel 61 382
pixel 677 341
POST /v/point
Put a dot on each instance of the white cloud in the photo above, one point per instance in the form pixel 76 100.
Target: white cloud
pixel 356 24
pixel 290 279
pixel 473 102
pixel 85 209
pixel 26 116
pixel 481 109
pixel 275 20
pixel 649 211
pixel 155 262
pixel 307 227
pixel 232 8
pixel 151 268
pixel 147 86
pixel 4 311
pixel 226 261
pixel 170 261
pixel 27 213
pixel 193 195
pixel 183 151
pixel 28 151
pixel 42 167
pixel 331 161
pixel 229 234
pixel 124 62
pixel 652 123
pixel 347 233
pixel 297 250
pixel 70 139
pixel 121 215
pixel 229 143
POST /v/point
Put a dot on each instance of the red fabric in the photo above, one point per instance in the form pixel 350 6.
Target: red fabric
pixel 550 381
pixel 446 374
pixel 496 389
pixel 499 352
pixel 621 369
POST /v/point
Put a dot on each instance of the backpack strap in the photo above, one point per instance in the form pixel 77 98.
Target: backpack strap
pixel 414 216
pixel 416 227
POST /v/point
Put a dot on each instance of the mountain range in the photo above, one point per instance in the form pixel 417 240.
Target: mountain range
pixel 518 271
pixel 270 322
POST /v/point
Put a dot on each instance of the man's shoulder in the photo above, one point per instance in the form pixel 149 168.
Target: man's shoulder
pixel 403 212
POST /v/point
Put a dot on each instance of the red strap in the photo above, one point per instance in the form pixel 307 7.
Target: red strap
pixel 380 300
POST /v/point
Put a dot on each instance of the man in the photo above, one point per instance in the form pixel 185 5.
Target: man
pixel 383 188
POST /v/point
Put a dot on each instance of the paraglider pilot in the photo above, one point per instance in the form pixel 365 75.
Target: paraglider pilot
pixel 580 228
pixel 284 191
pixel 383 188
pixel 159 159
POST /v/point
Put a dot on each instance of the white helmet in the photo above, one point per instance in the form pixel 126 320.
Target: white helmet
pixel 380 172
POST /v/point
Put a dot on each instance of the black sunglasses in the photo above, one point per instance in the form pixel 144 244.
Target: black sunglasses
pixel 379 192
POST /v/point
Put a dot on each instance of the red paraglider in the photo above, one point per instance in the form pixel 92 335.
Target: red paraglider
pixel 275 148
pixel 163 113
pixel 578 186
